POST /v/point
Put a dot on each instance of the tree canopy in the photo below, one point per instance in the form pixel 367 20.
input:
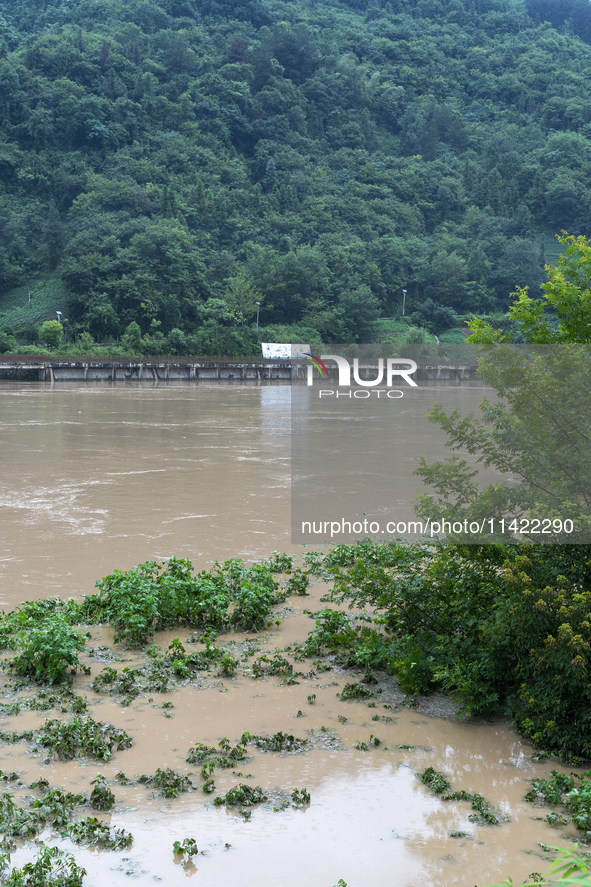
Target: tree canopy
pixel 329 154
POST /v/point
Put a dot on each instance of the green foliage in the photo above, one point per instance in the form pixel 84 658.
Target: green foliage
pixel 356 691
pixel 110 681
pixel 276 665
pixel 300 797
pixel 441 787
pixel 333 630
pixel 298 583
pixel 518 635
pixel 326 183
pixel 281 742
pixel 433 317
pixel 51 868
pixel 68 740
pixel 244 796
pixel 48 652
pixel 101 798
pixel 224 758
pixel 168 782
pixel 537 432
pixel 55 806
pixel 188 846
pixel 97 833
pixel 279 563
pixel 149 598
pixel 7 342
pixel 51 332
pixel 563 790
pixel 242 299
pixel 562 315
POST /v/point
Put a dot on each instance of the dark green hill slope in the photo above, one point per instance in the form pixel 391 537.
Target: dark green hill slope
pixel 322 155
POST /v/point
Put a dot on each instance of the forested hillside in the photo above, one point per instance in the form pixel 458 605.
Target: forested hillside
pixel 174 162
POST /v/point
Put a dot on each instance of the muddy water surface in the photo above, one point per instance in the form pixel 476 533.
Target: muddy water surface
pixel 98 478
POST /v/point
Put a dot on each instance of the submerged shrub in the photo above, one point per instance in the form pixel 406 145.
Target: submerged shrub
pixel 518 636
pixel 245 796
pixel 356 691
pixel 51 868
pixel 68 740
pixel 94 832
pixel 56 806
pixel 48 652
pixel 298 583
pixel 151 598
pixel 563 790
pixel 280 742
pixel 14 821
pixel 171 784
pixel 188 846
pixel 101 798
pixel 277 665
pixel 441 787
pixel 300 797
pixel 223 757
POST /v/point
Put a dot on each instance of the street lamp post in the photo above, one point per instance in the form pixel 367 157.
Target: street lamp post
pixel 258 304
pixel 403 301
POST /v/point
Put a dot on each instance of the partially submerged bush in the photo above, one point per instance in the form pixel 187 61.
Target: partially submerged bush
pixel 356 691
pixel 96 833
pixel 563 790
pixel 188 846
pixel 168 782
pixel 282 742
pixel 112 681
pixel 55 806
pixel 151 598
pixel 51 868
pixel 441 787
pixel 101 798
pixel 48 652
pixel 244 796
pixel 498 626
pixel 223 757
pixel 71 739
pixel 276 665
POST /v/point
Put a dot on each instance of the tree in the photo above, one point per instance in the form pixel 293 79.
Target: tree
pixel 242 298
pixel 538 433
pixel 563 314
pixel 51 332
pixel 132 338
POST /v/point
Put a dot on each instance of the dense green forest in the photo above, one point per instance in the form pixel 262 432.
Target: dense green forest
pixel 170 164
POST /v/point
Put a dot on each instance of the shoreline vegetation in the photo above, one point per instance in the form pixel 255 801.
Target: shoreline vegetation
pixel 394 608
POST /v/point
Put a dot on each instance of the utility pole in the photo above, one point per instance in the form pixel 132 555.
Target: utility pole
pixel 403 301
pixel 258 304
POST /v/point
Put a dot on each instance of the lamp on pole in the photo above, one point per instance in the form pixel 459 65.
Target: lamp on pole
pixel 403 301
pixel 59 316
pixel 258 304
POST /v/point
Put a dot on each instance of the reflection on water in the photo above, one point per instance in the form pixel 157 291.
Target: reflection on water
pixel 98 478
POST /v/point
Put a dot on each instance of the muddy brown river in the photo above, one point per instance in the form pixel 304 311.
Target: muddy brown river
pixel 100 477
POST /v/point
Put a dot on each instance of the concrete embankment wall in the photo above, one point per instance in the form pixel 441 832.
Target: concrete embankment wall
pixel 126 371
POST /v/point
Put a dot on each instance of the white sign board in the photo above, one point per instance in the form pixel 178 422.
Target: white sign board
pixel 277 351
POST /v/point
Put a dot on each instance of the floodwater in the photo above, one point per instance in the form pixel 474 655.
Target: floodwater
pixel 103 477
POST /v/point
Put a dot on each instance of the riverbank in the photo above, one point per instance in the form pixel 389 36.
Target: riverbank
pixel 358 758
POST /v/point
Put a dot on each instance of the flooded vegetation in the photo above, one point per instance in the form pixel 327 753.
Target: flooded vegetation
pixel 234 721
pixel 233 698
